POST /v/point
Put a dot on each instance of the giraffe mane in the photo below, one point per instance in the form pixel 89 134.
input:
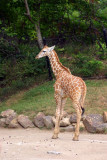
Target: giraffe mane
pixel 65 68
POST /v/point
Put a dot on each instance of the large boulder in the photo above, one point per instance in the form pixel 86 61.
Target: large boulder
pixel 63 123
pixel 94 123
pixel 65 114
pixel 2 122
pixel 48 122
pixel 102 128
pixel 73 118
pixel 105 117
pixel 8 116
pixel 39 120
pixel 24 121
pixel 8 113
pixel 14 123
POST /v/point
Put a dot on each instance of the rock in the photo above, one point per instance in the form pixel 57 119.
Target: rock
pixel 65 114
pixel 14 124
pixel 48 122
pixel 74 124
pixel 25 122
pixel 102 128
pixel 67 129
pixel 73 118
pixel 81 124
pixel 83 117
pixel 63 123
pixel 94 123
pixel 7 113
pixel 82 127
pixel 53 120
pixel 105 116
pixel 10 118
pixel 2 122
pixel 39 121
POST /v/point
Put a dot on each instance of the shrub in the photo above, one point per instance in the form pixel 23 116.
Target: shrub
pixel 86 66
pixel 19 71
pixel 101 51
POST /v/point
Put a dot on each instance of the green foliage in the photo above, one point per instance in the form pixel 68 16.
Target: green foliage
pixel 84 60
pixel 88 68
pixel 19 70
pixel 7 49
pixel 78 14
pixel 92 68
pixel 101 52
pixel 18 67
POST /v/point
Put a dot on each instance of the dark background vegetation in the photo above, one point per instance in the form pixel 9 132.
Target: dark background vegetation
pixel 78 28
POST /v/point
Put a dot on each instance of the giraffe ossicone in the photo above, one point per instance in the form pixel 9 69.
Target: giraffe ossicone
pixel 66 85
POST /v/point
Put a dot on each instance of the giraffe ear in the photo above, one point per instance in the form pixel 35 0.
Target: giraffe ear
pixel 51 48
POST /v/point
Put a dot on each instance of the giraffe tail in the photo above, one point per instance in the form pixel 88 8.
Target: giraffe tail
pixel 83 98
pixel 83 110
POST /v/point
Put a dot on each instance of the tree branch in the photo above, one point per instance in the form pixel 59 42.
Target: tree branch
pixel 28 11
pixel 36 24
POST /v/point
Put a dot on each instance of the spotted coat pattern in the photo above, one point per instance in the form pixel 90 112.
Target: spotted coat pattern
pixel 66 85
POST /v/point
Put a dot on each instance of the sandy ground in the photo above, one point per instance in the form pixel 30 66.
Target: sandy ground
pixel 35 144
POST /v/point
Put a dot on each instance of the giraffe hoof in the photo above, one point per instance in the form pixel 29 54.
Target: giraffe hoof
pixel 75 139
pixel 55 136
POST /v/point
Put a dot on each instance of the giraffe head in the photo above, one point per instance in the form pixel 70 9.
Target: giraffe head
pixel 46 51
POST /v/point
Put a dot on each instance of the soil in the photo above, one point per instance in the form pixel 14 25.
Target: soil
pixel 36 144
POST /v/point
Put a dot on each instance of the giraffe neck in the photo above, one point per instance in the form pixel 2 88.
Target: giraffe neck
pixel 57 67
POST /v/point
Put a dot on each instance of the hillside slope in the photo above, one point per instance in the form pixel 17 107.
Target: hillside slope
pixel 41 99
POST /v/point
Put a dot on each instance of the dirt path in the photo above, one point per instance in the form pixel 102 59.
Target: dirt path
pixel 35 144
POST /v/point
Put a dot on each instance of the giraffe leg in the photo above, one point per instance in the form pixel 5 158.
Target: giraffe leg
pixel 58 116
pixel 56 130
pixel 62 106
pixel 78 112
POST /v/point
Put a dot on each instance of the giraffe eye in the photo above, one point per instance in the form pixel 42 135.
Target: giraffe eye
pixel 44 51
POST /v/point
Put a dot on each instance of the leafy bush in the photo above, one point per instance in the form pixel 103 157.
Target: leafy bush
pixel 22 70
pixel 7 49
pixel 2 72
pixel 101 51
pixel 92 68
pixel 18 71
pixel 86 66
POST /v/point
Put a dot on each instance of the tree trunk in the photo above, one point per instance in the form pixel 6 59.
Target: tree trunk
pixel 39 36
pixel 105 35
pixel 41 45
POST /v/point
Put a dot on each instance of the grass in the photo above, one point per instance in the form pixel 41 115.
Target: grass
pixel 105 131
pixel 41 99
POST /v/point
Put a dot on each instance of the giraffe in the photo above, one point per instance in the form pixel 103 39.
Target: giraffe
pixel 66 85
